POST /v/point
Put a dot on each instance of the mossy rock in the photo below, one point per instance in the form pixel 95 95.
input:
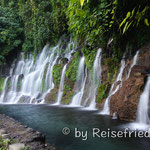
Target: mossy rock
pixel 89 55
pixel 57 73
pixel 52 96
pixel 67 97
pixel 102 92
pixel 68 92
pixel 73 67
pixel 1 84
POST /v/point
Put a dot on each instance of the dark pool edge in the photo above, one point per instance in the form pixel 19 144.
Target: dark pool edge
pixel 23 134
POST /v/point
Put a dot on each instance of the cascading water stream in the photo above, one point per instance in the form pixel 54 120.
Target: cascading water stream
pixel 32 73
pixel 142 111
pixel 61 86
pixel 68 54
pixel 80 84
pixel 31 79
pixel 106 108
pixel 133 64
pixel 97 69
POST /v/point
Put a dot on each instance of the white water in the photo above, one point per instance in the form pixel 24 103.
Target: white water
pixel 97 69
pixel 142 118
pixel 61 86
pixel 96 80
pixel 114 115
pixel 80 83
pixel 67 54
pixel 106 108
pixel 133 64
pixel 31 79
pixel 142 111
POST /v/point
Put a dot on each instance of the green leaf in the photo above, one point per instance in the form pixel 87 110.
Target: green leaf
pixel 73 1
pixel 81 2
pixel 125 27
pixel 80 13
pixel 129 25
pixel 115 2
pixel 128 15
pixel 146 21
pixel 122 22
pixel 133 12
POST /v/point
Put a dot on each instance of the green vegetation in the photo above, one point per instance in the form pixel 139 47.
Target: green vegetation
pixel 89 57
pixel 112 65
pixel 4 143
pixel 67 95
pixel 102 92
pixel 57 73
pixel 43 80
pixel 26 148
pixel 1 83
pixel 73 67
pixel 27 25
pixel 10 33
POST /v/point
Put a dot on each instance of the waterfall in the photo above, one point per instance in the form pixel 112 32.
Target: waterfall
pixel 31 79
pixel 106 108
pixel 32 72
pixel 142 111
pixel 133 64
pixel 67 54
pixel 80 84
pixel 97 69
pixel 61 86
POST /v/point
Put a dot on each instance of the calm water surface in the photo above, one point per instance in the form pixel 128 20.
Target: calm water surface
pixel 50 120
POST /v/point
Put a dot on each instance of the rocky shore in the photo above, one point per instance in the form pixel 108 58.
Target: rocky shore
pixel 23 135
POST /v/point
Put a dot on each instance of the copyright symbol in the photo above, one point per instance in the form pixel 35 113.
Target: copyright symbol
pixel 66 131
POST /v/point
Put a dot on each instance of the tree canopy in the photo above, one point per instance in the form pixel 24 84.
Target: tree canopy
pixel 29 24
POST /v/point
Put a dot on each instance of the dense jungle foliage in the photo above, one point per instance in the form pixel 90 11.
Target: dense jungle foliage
pixel 27 25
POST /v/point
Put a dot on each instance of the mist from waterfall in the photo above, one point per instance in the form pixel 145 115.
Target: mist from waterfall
pixel 106 108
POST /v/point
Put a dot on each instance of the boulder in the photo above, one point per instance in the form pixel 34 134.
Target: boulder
pixel 16 146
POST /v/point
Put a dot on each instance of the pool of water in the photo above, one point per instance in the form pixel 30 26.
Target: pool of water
pixel 50 120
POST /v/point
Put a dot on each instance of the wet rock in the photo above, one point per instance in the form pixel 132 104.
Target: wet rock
pixel 39 100
pixel 5 136
pixel 24 99
pixel 2 131
pixel 52 96
pixel 64 60
pixel 16 146
pixel 140 69
pixel 116 84
pixel 22 134
pixel 125 100
pixel 38 95
pixel 21 76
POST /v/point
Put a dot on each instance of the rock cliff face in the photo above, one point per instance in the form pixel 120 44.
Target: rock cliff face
pixel 125 100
